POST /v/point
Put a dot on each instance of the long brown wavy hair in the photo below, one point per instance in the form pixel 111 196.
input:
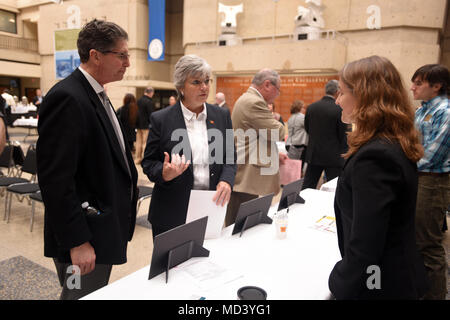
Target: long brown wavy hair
pixel 383 108
pixel 130 100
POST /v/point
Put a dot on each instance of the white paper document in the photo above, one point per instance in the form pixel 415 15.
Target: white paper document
pixel 201 205
pixel 207 275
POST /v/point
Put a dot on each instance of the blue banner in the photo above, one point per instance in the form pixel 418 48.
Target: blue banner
pixel 156 29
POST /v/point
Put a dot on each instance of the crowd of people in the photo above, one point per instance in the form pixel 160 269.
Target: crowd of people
pixel 364 131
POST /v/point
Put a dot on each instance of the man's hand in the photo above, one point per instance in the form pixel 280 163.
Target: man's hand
pixel 174 168
pixel 83 256
pixel 223 193
pixel 282 157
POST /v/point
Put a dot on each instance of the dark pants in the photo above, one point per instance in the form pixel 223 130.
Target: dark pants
pixel 158 230
pixel 88 283
pixel 235 202
pixel 314 172
pixel 433 197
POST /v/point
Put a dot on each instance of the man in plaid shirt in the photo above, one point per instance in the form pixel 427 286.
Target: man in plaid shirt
pixel 430 84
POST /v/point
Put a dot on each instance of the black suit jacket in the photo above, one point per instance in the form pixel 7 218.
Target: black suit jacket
pixel 79 159
pixel 145 109
pixel 327 137
pixel 375 207
pixel 170 199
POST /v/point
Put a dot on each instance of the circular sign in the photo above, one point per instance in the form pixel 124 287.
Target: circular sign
pixel 155 48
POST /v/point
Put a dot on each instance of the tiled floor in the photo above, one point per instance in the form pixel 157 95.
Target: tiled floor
pixel 17 240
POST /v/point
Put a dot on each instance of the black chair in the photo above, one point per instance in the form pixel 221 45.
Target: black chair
pixel 19 185
pixel 144 193
pixel 6 159
pixel 34 197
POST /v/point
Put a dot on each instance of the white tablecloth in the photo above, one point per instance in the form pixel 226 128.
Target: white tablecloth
pixel 26 122
pixel 330 186
pixel 297 267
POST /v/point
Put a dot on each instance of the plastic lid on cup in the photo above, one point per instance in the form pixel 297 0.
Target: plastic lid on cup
pixel 251 293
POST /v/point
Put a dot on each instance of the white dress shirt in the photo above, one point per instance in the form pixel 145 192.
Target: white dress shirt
pixel 98 88
pixel 198 138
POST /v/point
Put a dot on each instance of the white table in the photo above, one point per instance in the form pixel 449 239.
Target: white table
pixel 297 267
pixel 29 123
pixel 330 186
pixel 24 122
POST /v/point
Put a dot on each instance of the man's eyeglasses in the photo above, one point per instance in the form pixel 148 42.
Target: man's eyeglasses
pixel 276 87
pixel 198 83
pixel 121 55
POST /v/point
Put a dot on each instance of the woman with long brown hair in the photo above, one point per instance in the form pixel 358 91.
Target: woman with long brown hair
pixel 376 194
pixel 128 116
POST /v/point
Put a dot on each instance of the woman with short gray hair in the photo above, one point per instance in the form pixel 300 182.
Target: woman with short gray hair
pixel 190 66
pixel 178 157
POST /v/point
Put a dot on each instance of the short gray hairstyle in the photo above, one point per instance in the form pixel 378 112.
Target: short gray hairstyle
pixel 189 65
pixel 332 87
pixel 266 74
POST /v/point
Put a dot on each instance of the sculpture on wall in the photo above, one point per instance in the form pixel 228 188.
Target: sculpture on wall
pixel 228 25
pixel 309 22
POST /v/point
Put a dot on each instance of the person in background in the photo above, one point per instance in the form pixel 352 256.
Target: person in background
pixel 83 159
pixel 172 101
pixel 189 122
pixel 8 98
pixel 37 100
pixel 327 138
pixel 127 115
pixel 146 107
pixel 376 193
pixel 251 114
pixel 275 115
pixel 24 101
pixel 430 85
pixel 220 100
pixel 297 140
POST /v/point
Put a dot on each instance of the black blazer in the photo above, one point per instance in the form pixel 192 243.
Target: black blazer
pixel 375 207
pixel 79 159
pixel 170 200
pixel 327 137
pixel 145 109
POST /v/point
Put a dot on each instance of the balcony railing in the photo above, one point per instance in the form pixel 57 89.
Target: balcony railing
pixel 279 38
pixel 14 43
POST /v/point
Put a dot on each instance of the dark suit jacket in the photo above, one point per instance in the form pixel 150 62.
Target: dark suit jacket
pixel 145 109
pixel 170 199
pixel 79 159
pixel 375 207
pixel 327 138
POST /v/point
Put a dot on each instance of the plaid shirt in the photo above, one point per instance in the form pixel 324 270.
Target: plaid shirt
pixel 433 122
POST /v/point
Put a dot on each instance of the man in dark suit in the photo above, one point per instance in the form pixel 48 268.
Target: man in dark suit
pixel 220 101
pixel 188 148
pixel 145 109
pixel 82 160
pixel 327 138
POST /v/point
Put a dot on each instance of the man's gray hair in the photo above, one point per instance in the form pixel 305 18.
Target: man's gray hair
pixel 332 87
pixel 187 66
pixel 266 74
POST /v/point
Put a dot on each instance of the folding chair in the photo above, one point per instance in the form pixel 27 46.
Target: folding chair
pixel 144 193
pixel 37 196
pixel 22 186
pixel 6 159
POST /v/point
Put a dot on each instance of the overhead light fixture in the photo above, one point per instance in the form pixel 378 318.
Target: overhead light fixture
pixel 57 1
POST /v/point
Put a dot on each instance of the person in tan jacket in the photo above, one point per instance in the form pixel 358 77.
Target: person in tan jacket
pixel 256 133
